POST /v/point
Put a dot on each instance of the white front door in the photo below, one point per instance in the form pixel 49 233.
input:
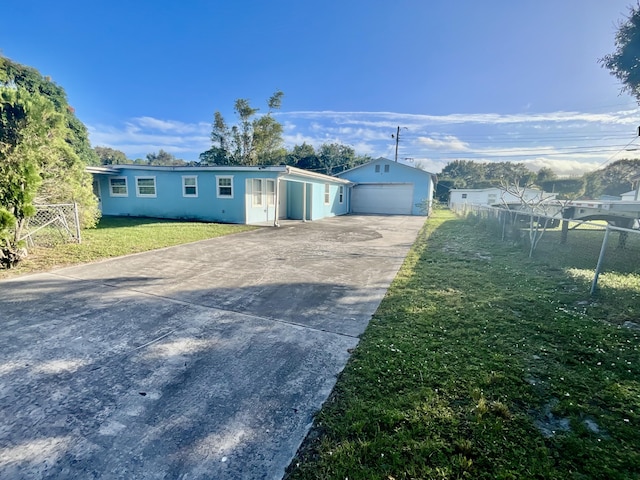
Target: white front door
pixel 260 199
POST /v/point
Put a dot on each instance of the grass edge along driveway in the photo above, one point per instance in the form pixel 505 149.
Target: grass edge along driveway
pixel 483 364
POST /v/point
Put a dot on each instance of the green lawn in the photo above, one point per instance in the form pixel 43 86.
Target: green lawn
pixel 115 236
pixel 481 363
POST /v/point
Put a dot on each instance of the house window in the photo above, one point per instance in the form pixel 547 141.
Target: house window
pixel 492 198
pixel 256 187
pixel 386 169
pixel 146 186
pixel 271 192
pixel 225 187
pixel 327 194
pixel 377 168
pixel 464 195
pixel 118 186
pixel 189 186
pixel 341 193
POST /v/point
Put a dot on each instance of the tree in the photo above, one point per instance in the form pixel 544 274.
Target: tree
pixel 252 141
pixel 304 156
pixel 466 173
pixel 545 174
pixel 17 75
pixel 335 157
pixel 624 63
pixel 111 156
pixel 536 209
pixel 164 158
pixel 67 152
pixel 614 179
pixel 30 132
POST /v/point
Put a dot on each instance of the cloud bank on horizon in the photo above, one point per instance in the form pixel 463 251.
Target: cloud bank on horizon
pixel 570 143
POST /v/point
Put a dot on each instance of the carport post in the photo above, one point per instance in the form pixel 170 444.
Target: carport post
pixel 304 201
pixel 277 203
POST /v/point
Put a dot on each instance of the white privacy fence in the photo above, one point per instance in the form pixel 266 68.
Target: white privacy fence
pixel 52 225
pixel 564 243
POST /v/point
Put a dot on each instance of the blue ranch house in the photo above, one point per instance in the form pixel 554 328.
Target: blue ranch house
pixel 229 194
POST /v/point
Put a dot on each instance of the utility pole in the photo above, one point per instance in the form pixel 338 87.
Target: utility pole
pixel 397 141
pixel 397 137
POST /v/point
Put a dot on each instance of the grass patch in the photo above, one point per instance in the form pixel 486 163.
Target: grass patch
pixel 481 363
pixel 618 294
pixel 116 236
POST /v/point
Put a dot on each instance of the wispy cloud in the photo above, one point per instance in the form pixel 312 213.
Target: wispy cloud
pixel 142 135
pixel 386 119
pixel 448 142
pixel 566 141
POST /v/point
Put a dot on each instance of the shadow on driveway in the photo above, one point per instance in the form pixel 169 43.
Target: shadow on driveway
pixel 186 363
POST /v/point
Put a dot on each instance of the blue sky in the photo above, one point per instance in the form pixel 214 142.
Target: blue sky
pixel 491 80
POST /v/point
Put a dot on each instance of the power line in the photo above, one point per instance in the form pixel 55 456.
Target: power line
pixel 517 155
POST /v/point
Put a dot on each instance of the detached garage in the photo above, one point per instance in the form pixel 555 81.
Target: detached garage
pixel 389 188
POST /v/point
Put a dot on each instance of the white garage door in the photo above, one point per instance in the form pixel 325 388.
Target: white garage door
pixel 392 199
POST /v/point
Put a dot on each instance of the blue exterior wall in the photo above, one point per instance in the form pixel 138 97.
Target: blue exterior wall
pixel 423 185
pixel 169 201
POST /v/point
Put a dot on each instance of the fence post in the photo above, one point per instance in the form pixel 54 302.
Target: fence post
pixel 594 284
pixel 76 218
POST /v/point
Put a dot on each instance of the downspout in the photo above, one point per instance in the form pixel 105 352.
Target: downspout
pixel 277 203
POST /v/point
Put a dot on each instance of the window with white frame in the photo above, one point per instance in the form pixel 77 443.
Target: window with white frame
pixel 224 187
pixel 341 193
pixel 464 195
pixel 146 186
pixel 327 194
pixel 377 168
pixel 189 186
pixel 271 192
pixel 386 169
pixel 118 186
pixel 256 188
pixel 492 198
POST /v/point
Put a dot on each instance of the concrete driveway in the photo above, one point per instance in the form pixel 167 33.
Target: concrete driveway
pixel 205 360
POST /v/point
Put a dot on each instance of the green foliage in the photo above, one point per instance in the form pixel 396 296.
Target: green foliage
pixel 471 174
pixel 254 140
pixel 111 156
pixel 623 63
pixel 46 133
pixel 164 158
pixel 16 75
pixel 304 156
pixel 26 120
pixel 330 159
pixel 545 174
pixel 614 179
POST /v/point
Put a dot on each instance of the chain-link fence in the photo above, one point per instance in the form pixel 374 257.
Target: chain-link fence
pixel 564 243
pixel 53 225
